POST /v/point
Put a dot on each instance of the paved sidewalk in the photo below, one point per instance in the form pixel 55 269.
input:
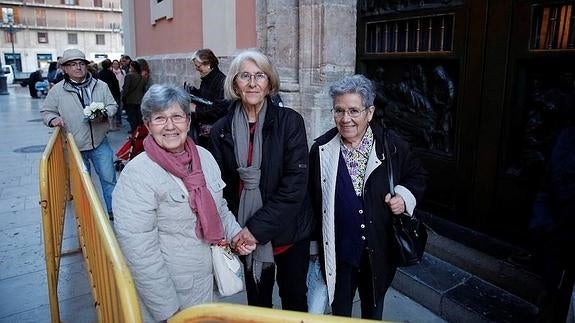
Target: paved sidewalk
pixel 22 266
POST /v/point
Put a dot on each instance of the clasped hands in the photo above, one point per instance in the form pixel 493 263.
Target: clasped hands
pixel 244 242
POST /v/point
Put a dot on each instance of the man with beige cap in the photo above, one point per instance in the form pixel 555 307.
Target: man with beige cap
pixel 65 107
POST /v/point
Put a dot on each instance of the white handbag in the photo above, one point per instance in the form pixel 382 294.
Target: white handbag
pixel 226 264
pixel 227 270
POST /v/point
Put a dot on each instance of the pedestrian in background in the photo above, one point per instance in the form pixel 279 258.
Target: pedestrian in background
pixel 144 70
pixel 120 74
pixel 169 208
pixel 211 89
pixel 109 78
pixel 34 77
pixel 132 93
pixel 125 61
pixel 64 107
pixel 350 195
pixel 263 154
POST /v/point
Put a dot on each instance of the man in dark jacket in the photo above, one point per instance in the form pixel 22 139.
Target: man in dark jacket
pixel 109 77
pixel 34 77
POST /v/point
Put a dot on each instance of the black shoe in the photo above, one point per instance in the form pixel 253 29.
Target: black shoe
pixel 111 216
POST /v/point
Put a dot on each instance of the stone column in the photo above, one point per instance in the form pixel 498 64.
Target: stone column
pixel 312 43
pixel 327 53
pixel 277 29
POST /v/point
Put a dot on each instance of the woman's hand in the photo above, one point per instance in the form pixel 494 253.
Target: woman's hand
pixel 396 204
pixel 245 249
pixel 244 237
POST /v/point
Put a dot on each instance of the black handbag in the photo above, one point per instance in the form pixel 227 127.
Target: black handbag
pixel 409 232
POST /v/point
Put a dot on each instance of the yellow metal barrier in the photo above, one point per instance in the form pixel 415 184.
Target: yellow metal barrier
pixel 54 194
pixel 112 285
pixel 223 313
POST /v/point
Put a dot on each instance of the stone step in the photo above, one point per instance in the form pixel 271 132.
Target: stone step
pixel 494 267
pixel 459 296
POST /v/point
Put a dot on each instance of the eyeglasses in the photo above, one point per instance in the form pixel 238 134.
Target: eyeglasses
pixel 352 112
pixel 246 77
pixel 160 120
pixel 77 64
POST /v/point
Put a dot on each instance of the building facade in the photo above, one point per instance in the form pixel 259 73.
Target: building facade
pixel 36 32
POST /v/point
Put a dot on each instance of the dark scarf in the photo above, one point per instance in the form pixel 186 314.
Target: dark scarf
pixel 83 89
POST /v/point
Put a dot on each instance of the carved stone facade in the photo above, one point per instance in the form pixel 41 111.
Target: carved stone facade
pixel 311 42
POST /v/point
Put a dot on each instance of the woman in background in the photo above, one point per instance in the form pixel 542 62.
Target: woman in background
pixel 211 89
pixel 120 74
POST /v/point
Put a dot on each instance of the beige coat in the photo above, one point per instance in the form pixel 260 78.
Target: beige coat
pixel 62 101
pixel 155 227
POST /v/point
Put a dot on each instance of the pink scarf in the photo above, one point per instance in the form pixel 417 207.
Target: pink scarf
pixel 209 225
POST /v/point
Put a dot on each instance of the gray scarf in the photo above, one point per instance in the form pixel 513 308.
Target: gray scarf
pixel 251 197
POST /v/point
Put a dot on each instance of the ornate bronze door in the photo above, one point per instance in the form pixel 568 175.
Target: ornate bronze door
pixel 471 84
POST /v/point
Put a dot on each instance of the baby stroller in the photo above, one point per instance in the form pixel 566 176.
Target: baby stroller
pixel 133 146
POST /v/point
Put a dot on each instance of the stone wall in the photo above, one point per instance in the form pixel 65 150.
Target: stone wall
pixel 311 42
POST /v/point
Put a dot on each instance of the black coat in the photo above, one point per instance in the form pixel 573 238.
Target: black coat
pixel 407 172
pixel 211 89
pixel 285 217
pixel 110 78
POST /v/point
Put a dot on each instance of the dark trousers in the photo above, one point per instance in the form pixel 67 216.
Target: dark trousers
pixel 348 280
pixel 134 115
pixel 291 277
pixel 118 115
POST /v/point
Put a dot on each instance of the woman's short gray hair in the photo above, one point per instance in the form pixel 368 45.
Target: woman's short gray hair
pixel 262 61
pixel 161 97
pixel 357 84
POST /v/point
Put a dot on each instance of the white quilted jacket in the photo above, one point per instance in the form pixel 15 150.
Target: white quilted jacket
pixel 155 227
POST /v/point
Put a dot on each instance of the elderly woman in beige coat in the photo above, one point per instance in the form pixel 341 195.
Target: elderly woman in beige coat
pixel 169 209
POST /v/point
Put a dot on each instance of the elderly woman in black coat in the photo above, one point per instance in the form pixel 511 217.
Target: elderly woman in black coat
pixel 262 151
pixel 351 200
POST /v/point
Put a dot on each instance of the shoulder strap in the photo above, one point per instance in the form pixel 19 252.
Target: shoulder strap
pixel 388 163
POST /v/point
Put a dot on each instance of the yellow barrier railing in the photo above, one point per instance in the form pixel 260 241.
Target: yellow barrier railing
pixel 223 313
pixel 54 194
pixel 112 285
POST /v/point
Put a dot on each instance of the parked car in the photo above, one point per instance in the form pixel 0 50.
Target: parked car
pixel 9 73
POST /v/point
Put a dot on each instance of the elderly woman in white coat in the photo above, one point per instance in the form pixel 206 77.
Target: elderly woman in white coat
pixel 169 209
pixel 349 188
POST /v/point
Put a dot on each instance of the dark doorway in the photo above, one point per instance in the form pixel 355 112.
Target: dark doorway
pixel 480 89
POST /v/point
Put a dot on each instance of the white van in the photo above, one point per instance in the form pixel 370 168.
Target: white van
pixel 9 73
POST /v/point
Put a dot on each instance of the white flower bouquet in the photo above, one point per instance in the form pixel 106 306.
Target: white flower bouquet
pixel 95 112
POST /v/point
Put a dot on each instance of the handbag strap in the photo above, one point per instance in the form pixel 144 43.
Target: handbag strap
pixel 388 164
pixel 390 171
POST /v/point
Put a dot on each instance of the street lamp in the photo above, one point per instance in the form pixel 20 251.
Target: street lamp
pixel 11 31
pixel 7 17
